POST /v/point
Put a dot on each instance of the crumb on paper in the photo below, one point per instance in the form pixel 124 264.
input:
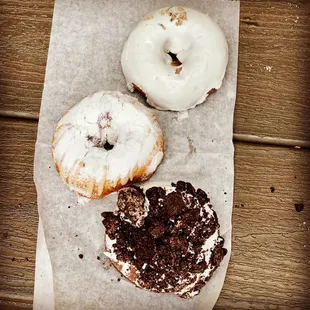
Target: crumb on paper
pixel 268 68
pixel 162 26
pixel 192 148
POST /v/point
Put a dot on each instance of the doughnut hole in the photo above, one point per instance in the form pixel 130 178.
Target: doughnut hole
pixel 174 59
pixel 107 139
pixel 177 48
pixel 107 146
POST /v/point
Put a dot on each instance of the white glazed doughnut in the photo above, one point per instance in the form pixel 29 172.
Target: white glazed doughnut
pixel 105 142
pixel 176 56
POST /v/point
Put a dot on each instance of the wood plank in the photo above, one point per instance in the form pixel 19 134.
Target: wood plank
pixel 18 211
pixel 270 264
pixel 273 64
pixel 25 31
pixel 273 92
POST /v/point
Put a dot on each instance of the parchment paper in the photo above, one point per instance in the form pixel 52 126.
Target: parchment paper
pixel 84 56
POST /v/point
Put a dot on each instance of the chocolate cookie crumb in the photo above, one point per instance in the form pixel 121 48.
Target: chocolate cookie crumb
pixel 98 257
pixel 299 207
pixel 272 189
pixel 118 279
pixel 81 256
pixel 167 248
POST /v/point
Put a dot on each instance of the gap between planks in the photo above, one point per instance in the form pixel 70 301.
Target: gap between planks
pixel 246 138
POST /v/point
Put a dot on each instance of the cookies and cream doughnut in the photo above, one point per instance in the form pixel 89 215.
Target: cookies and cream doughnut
pixel 164 239
pixel 106 141
pixel 176 56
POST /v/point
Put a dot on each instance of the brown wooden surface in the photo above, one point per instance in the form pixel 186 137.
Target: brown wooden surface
pixel 272 33
pixel 270 264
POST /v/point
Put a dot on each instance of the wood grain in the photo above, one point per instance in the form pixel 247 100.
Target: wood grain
pixel 18 211
pixel 273 73
pixel 270 264
pixel 25 30
pixel 273 96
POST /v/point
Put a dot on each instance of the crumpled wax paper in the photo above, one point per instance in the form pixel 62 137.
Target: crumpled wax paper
pixel 84 56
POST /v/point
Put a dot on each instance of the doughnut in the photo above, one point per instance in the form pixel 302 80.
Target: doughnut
pixel 105 142
pixel 176 57
pixel 164 239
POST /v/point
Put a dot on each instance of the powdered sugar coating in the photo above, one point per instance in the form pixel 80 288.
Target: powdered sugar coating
pixel 200 46
pixel 106 141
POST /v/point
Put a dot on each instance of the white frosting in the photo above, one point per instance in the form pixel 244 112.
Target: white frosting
pixel 125 267
pixel 109 117
pixel 200 46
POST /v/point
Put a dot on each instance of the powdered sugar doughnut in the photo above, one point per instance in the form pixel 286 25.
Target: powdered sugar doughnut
pixel 176 56
pixel 164 239
pixel 106 141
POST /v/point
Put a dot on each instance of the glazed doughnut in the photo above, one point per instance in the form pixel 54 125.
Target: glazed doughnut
pixel 105 142
pixel 164 239
pixel 176 56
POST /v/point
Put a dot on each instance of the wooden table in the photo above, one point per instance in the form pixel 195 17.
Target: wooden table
pixel 270 264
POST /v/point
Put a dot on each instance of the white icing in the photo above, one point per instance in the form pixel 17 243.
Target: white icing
pixel 109 117
pixel 125 267
pixel 199 44
pixel 155 162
